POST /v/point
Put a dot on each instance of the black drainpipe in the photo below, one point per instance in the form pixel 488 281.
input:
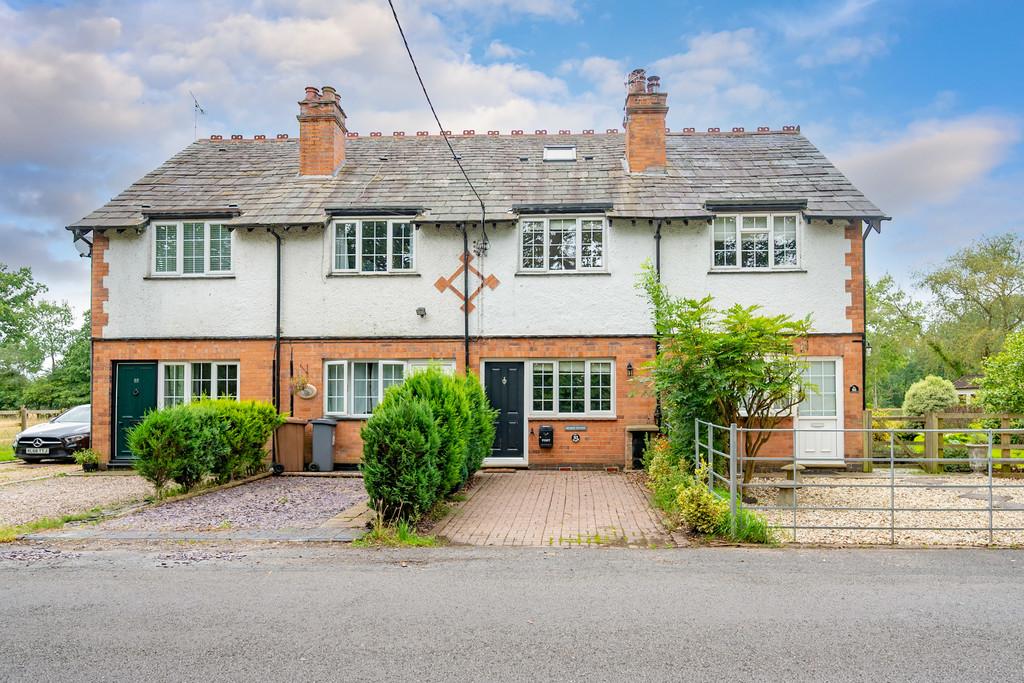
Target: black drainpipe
pixel 465 292
pixel 657 346
pixel 277 347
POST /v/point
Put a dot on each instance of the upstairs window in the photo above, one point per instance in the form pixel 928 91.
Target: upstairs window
pixel 562 245
pixel 374 246
pixel 755 242
pixel 191 248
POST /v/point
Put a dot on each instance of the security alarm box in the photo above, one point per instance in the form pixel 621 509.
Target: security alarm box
pixel 546 436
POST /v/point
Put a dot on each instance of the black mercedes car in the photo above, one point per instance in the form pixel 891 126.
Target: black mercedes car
pixel 57 439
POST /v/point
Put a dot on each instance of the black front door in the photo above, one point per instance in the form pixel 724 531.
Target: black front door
pixel 504 385
pixel 134 396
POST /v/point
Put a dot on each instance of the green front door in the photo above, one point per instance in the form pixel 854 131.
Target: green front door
pixel 134 396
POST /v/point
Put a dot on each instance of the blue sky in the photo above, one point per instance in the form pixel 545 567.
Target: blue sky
pixel 919 102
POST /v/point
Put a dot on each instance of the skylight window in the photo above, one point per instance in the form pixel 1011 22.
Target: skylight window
pixel 560 153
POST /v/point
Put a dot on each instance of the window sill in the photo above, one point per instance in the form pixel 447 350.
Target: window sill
pixel 216 276
pixel 347 418
pixel 373 274
pixel 727 271
pixel 571 418
pixel 560 273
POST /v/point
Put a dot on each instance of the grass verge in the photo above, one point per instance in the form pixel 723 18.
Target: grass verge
pixel 9 534
pixel 404 534
pixel 6 453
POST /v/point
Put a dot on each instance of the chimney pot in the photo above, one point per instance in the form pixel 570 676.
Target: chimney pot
pixel 653 83
pixel 422 133
pixel 330 93
pixel 635 80
pixel 312 93
pixel 282 136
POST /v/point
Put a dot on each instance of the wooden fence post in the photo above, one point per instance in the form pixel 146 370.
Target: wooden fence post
pixel 869 442
pixel 1004 450
pixel 931 443
pixel 24 418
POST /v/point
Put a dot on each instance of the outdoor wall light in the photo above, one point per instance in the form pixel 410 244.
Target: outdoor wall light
pixel 421 312
pixel 629 369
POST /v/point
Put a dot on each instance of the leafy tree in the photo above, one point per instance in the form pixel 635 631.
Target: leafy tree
pixel 930 395
pixel 52 329
pixel 725 366
pixel 18 349
pixel 1002 386
pixel 12 389
pixel 894 325
pixel 978 299
pixel 68 383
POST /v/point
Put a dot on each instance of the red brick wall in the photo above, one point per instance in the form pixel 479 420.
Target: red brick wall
pixel 645 131
pixel 254 373
pixel 99 294
pixel 604 442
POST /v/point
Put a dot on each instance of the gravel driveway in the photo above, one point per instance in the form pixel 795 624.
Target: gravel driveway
pixel 930 505
pixel 31 500
pixel 18 470
pixel 267 504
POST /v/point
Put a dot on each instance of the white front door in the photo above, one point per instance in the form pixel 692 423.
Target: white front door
pixel 819 416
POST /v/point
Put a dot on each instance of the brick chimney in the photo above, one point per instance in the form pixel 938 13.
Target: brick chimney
pixel 321 132
pixel 645 123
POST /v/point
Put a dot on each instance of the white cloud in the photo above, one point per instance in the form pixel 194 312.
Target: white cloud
pixel 932 162
pixel 850 50
pixel 830 18
pixel 717 80
pixel 499 50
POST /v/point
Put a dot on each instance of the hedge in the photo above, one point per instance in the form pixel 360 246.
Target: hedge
pixel 189 443
pixel 398 460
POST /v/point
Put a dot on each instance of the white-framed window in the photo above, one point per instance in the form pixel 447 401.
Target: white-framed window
pixel 562 245
pixel 572 387
pixel 354 388
pixel 374 246
pixel 187 381
pixel 192 248
pixel 763 241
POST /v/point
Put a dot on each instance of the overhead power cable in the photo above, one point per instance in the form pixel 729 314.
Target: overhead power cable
pixel 440 128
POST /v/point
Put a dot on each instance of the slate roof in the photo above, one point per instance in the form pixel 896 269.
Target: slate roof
pixel 968 382
pixel 258 179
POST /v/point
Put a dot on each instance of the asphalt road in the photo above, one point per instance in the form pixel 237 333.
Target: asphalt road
pixel 340 614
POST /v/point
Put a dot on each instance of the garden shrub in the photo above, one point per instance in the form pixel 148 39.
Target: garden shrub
pixel 481 430
pixel 400 457
pixel 188 443
pixel 661 461
pixel 932 394
pixel 449 404
pixel 248 426
pixel 702 510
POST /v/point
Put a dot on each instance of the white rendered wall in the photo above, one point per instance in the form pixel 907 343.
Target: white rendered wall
pixel 140 306
pixel 319 305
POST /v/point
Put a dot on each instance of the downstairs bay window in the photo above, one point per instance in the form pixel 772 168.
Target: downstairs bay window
pixel 353 388
pixel 182 382
pixel 572 387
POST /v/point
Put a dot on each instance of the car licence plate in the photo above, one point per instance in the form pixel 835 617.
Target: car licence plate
pixel 37 451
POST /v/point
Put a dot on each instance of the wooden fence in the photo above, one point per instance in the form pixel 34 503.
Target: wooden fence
pixel 23 416
pixel 932 426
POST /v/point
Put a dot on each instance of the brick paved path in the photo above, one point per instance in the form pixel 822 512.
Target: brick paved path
pixel 537 508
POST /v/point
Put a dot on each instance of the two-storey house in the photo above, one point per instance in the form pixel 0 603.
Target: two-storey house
pixel 339 263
